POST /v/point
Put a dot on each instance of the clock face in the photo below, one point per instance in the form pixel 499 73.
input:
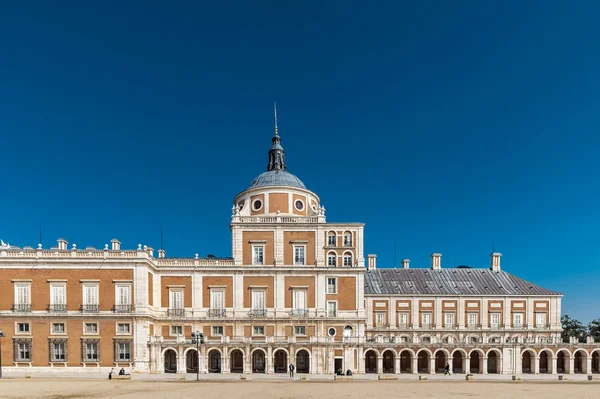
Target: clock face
pixel 299 205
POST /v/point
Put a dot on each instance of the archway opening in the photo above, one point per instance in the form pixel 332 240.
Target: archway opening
pixel 371 362
pixel 595 362
pixel 493 363
pixel 170 361
pixel 214 362
pixel 526 363
pixel 237 361
pixel 475 362
pixel 544 363
pixel 562 363
pixel 457 362
pixel 281 365
pixel 191 361
pixel 579 365
pixel 389 360
pixel 423 362
pixel 405 362
pixel 440 362
pixel 258 362
pixel 302 362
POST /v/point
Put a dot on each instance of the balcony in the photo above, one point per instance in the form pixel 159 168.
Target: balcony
pixel 89 308
pixel 257 313
pixel 57 308
pixel 176 312
pixel 21 307
pixel 216 312
pixel 473 326
pixel 299 313
pixel 122 308
pixel 496 326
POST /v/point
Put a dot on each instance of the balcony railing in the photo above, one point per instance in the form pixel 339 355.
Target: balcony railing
pixel 299 313
pixel 122 308
pixel 21 307
pixel 216 312
pixel 175 312
pixel 89 308
pixel 496 326
pixel 57 308
pixel 257 313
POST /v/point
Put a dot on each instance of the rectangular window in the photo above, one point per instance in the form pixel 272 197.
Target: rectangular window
pixel 517 319
pixel 472 319
pixel 332 260
pixel 123 297
pixel 449 319
pixel 217 299
pixel 90 328
pixel 299 299
pixel 403 319
pixel 258 300
pixel 331 309
pixel 58 296
pixel 22 328
pixel 123 328
pixel 258 330
pixel 540 319
pixel 299 330
pixel 258 255
pixel 175 299
pixel 58 352
pixel 23 296
pixel 331 285
pixel 176 330
pixel 23 351
pixel 299 255
pixel 379 319
pixel 331 240
pixel 495 320
pixel 124 351
pixel 91 352
pixel 217 330
pixel 58 328
pixel 426 319
pixel 90 297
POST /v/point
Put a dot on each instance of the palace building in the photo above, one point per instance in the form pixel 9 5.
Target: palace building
pixel 296 290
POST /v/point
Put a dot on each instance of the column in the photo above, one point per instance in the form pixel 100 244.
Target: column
pixel 361 360
pixel 397 365
pixel 415 364
pixel 554 365
pixel 484 365
pixel 225 368
pixel 269 360
pixel 467 364
pixel 536 365
pixel 379 365
pixel 181 369
pixel 247 361
pixel 432 365
pixel 588 365
pixel 572 365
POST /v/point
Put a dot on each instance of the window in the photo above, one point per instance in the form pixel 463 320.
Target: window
pixel 216 299
pixel 176 330
pixel 58 298
pixel 472 319
pixel 332 285
pixel 379 319
pixel 124 351
pixel 402 319
pixel 299 255
pixel 426 340
pixel 331 308
pixel 331 240
pixel 331 332
pixel 23 297
pixel 176 299
pixel 299 299
pixel 90 297
pixel 258 300
pixel 299 330
pixel 59 353
pixel 257 205
pixel 540 319
pixel 299 205
pixel 58 328
pixel 23 351
pixel 347 331
pixel 347 260
pixel 258 254
pixel 22 328
pixel 91 352
pixel 517 319
pixel 258 330
pixel 331 259
pixel 123 297
pixel 90 328
pixel 348 239
pixel 217 330
pixel 449 319
pixel 495 320
pixel 426 319
pixel 123 328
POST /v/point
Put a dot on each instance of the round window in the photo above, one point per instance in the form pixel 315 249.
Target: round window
pixel 241 205
pixel 257 205
pixel 299 205
pixel 332 332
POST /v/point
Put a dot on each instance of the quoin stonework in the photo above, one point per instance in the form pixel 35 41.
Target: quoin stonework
pixel 297 290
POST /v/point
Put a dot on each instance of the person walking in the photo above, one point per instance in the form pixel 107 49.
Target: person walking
pixel 292 370
pixel 447 369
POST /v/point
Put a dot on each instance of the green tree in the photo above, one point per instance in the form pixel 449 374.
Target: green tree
pixel 594 328
pixel 572 328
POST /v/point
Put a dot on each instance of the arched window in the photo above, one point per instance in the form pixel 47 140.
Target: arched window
pixel 347 239
pixel 426 340
pixel 347 331
pixel 331 239
pixel 348 259
pixel 332 259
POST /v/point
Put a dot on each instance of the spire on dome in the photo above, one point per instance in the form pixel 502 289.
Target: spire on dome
pixel 276 153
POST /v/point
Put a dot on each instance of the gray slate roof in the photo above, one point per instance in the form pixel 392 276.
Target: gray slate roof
pixel 469 281
pixel 277 178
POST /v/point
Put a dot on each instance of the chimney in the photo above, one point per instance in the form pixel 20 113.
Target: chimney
pixel 161 253
pixel 372 258
pixel 62 244
pixel 495 261
pixel 405 263
pixel 436 261
pixel 116 244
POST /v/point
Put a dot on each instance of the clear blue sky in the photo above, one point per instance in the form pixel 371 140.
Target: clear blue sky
pixel 445 125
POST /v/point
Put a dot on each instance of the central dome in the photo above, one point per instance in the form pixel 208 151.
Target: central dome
pixel 273 178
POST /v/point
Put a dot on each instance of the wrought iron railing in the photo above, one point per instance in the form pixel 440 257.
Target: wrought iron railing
pixel 122 308
pixel 21 307
pixel 89 308
pixel 57 308
pixel 216 312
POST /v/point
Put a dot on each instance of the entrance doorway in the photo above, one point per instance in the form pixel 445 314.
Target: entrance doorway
pixel 191 361
pixel 214 361
pixel 493 363
pixel 281 365
pixel 457 362
pixel 302 362
pixel 237 361
pixel 258 362
pixel 475 363
pixel 170 361
pixel 405 362
pixel 371 362
pixel 337 365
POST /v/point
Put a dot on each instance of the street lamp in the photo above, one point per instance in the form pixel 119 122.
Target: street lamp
pixel 197 338
pixel 2 335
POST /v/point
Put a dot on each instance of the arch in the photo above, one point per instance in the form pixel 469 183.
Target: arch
pixel 531 350
pixel 214 360
pixel 168 348
pixel 475 361
pixel 425 350
pixel 191 348
pixel 405 338
pixel 347 238
pixel 259 361
pixel 595 361
pixel 389 349
pixel 480 351
pixel 371 361
pixel 170 360
pixel 389 361
pixel 333 242
pixel 280 360
pixel 441 359
pixel 495 339
pixel 563 363
pixel 458 360
pixel 347 259
pixel 580 361
pixel 371 349
pixel 212 350
pixel 449 338
pixel 332 258
pixel 348 331
pixel 302 361
pixel 236 360
pixel 191 360
pixel 494 361
pixel 406 357
pixel 545 361
pixel 527 361
pixel 423 356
